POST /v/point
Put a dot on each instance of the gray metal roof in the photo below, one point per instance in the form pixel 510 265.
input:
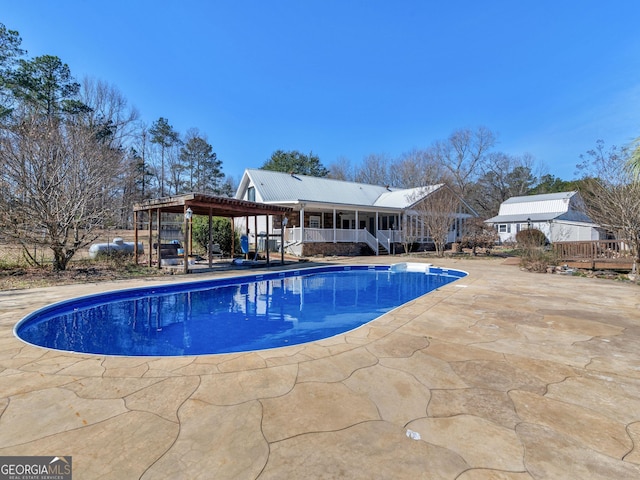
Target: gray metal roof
pixel 544 197
pixel 563 206
pixel 524 217
pixel 279 187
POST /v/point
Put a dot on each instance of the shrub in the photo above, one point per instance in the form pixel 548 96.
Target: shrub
pixel 478 235
pixel 531 238
pixel 221 234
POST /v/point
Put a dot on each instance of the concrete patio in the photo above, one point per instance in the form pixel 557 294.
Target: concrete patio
pixel 503 374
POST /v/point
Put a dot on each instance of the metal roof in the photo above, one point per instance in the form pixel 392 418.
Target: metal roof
pixel 405 198
pixel 563 206
pixel 551 203
pixel 279 187
pixel 544 197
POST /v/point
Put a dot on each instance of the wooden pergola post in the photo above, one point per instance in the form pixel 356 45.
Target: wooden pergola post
pixel 210 242
pixel 135 237
pixel 150 238
pixel 187 231
pixel 255 235
pixel 233 238
pixel 267 239
pixel 159 242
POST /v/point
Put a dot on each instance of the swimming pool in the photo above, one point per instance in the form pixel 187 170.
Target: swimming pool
pixel 226 315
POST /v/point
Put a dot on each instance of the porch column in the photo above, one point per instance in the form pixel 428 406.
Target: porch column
pixel 334 226
pixel 283 225
pixel 357 227
pixel 302 205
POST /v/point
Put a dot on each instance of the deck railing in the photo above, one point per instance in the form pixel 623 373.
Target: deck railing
pixel 592 250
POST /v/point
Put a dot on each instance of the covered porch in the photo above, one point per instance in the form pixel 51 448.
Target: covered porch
pixel 384 231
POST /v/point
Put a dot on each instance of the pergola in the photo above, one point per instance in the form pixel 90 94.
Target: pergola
pixel 200 204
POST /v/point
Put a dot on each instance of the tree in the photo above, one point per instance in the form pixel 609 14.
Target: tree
pixel 60 159
pixel 341 169
pixel 142 170
pixel 634 159
pixel 417 168
pixel 504 176
pixel 45 86
pixel 373 170
pixel 295 162
pixel 58 185
pixel 205 173
pixel 611 192
pixel 437 213
pixel 10 51
pixel 165 136
pixel 551 184
pixel 463 155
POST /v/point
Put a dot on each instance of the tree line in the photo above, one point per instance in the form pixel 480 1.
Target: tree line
pixel 75 157
pixel 466 161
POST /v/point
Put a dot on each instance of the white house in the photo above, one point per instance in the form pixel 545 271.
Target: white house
pixel 338 217
pixel 560 216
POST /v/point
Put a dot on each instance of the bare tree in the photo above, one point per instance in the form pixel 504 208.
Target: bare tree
pixel 58 184
pixel 611 192
pixel 478 234
pixel 373 170
pixel 341 169
pixel 503 176
pixel 437 212
pixel 417 168
pixel 110 114
pixel 463 155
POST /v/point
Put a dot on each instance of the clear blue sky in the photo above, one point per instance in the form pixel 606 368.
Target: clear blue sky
pixel 349 78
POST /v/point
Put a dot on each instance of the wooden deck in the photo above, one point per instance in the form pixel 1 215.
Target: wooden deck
pixel 595 255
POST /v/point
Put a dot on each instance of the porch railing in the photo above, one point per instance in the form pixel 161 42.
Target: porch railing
pixel 327 235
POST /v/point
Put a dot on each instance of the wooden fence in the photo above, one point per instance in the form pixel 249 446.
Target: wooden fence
pixel 596 254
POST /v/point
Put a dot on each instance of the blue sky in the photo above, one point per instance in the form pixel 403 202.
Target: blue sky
pixel 351 78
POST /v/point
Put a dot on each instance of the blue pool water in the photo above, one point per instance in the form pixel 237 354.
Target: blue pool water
pixel 228 315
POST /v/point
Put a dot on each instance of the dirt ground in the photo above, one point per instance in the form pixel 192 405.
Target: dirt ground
pixel 31 277
pixel 16 273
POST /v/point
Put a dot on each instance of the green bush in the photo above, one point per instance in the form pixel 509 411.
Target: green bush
pixel 221 234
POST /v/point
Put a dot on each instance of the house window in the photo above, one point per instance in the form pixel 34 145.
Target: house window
pixel 314 221
pixel 504 228
pixel 251 194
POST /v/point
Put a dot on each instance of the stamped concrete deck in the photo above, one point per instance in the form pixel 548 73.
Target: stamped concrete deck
pixel 503 375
